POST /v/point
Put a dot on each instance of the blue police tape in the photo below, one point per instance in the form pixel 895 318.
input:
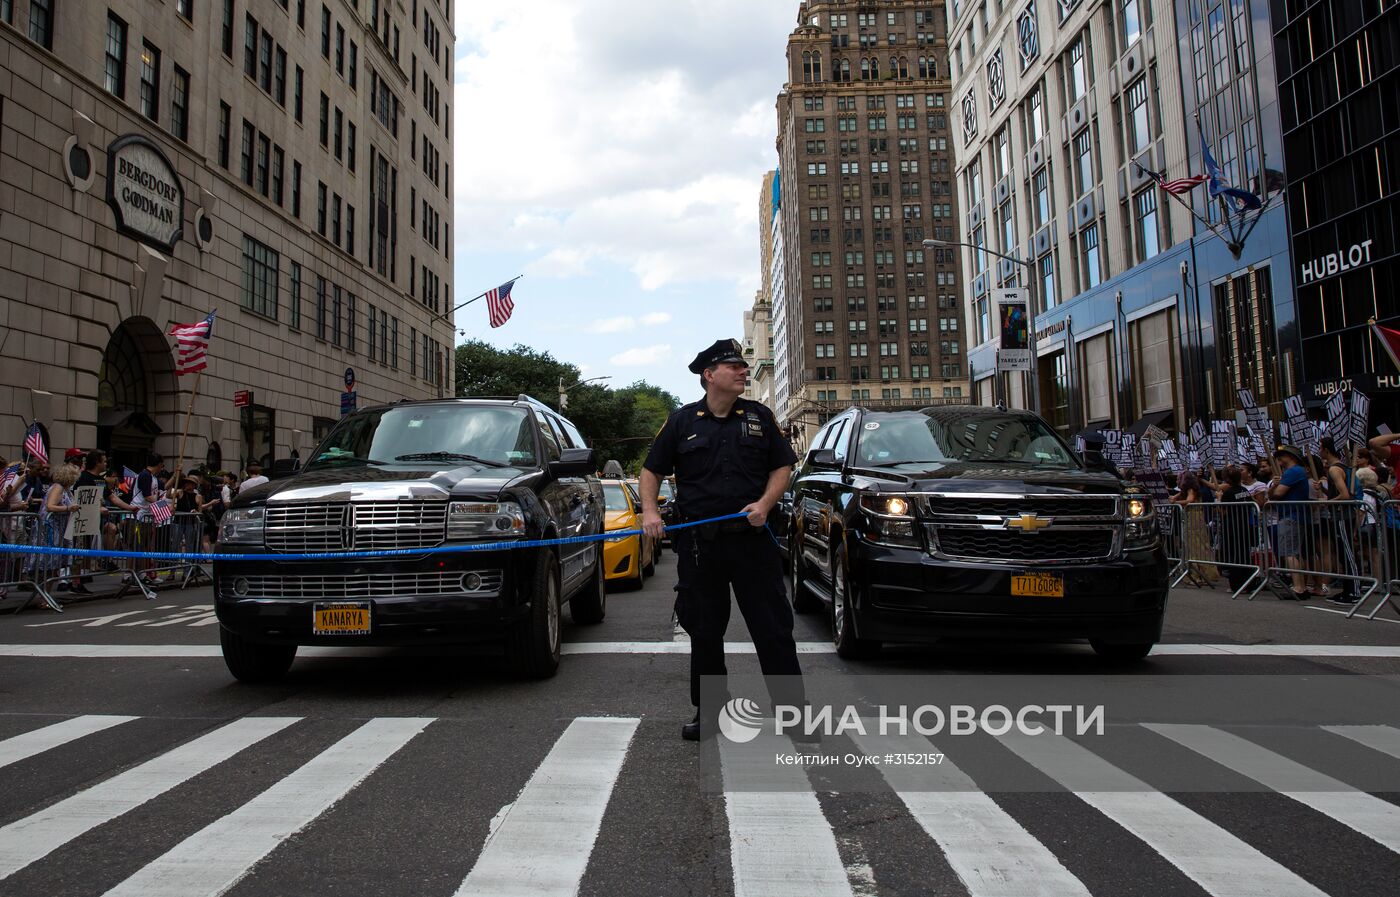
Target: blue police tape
pixel 346 555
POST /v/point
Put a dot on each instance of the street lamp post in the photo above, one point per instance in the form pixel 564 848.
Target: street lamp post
pixel 1034 372
pixel 564 390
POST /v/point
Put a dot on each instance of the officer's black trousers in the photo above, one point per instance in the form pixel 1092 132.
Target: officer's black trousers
pixel 750 563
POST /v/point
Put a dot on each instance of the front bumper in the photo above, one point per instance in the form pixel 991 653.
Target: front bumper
pixel 413 601
pixel 905 595
pixel 620 558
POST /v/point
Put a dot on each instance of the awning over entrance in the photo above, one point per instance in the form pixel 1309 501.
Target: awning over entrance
pixel 1160 419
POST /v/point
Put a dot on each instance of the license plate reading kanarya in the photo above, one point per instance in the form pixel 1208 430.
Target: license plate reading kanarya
pixel 341 618
pixel 1038 585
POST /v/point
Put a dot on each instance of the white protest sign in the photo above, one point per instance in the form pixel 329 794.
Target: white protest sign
pixel 86 517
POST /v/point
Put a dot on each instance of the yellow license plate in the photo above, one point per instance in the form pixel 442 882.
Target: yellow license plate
pixel 1038 585
pixel 343 618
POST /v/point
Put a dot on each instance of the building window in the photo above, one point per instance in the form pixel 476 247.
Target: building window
pixel 1077 76
pixel 296 189
pixel 1132 22
pixel 1047 281
pixel 320 308
pixel 116 57
pixel 325 121
pixel 321 208
pixel 265 62
pixel 294 297
pixel 226 29
pixel 1244 316
pixel 326 31
pixel 1139 127
pixel 278 160
pixel 41 23
pixel 1154 363
pixel 996 81
pixel 1040 197
pixel 1090 269
pixel 225 124
pixel 1054 390
pixel 279 77
pixel 246 168
pixel 184 9
pixel 1145 213
pixel 150 81
pixel 1083 163
pixel 298 85
pixel 180 103
pixel 1027 35
pixel 250 46
pixel 259 278
pixel 337 306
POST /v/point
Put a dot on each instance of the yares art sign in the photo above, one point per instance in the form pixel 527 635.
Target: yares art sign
pixel 145 192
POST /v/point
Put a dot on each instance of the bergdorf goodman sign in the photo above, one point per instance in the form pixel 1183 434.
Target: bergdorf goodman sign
pixel 145 192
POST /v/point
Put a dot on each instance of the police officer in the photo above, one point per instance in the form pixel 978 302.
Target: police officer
pixel 728 457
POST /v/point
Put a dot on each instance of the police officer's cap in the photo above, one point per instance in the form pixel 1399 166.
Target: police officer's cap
pixel 724 351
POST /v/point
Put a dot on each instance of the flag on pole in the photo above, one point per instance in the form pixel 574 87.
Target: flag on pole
pixel 9 475
pixel 1244 200
pixel 499 304
pixel 193 340
pixel 160 512
pixel 34 444
pixel 1389 340
pixel 128 480
pixel 1183 185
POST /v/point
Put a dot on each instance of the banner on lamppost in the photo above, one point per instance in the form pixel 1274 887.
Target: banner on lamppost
pixel 1013 317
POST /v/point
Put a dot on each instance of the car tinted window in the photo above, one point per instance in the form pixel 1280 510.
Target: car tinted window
pixel 575 437
pixel 496 434
pixel 841 438
pixel 940 436
pixel 550 438
pixel 560 432
pixel 615 497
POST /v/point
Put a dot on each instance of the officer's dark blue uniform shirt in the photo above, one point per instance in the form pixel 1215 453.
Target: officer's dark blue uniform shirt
pixel 721 464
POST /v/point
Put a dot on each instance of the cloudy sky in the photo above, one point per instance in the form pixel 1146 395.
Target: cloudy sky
pixel 612 151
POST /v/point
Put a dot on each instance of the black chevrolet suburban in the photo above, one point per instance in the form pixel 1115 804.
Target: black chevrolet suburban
pixel 971 522
pixel 410 476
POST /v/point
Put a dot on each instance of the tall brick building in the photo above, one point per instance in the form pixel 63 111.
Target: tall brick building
pixel 283 162
pixel 869 316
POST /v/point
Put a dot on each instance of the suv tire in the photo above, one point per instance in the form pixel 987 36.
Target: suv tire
pixel 255 663
pixel 590 605
pixel 843 623
pixel 532 646
pixel 1120 653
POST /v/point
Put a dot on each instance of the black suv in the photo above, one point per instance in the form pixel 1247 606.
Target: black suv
pixel 408 476
pixel 962 521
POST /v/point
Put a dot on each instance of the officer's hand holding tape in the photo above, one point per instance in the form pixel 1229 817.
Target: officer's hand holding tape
pixel 757 513
pixel 652 525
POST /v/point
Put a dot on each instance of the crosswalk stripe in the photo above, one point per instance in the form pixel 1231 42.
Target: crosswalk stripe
pixel 1219 862
pixel 213 859
pixel 35 836
pixel 20 747
pixel 780 842
pixel 992 854
pixel 542 844
pixel 1385 739
pixel 1377 819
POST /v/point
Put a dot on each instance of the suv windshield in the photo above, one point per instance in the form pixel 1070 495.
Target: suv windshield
pixel 938 436
pixel 492 435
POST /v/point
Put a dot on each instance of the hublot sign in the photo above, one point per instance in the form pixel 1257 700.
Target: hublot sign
pixel 1334 263
pixel 145 192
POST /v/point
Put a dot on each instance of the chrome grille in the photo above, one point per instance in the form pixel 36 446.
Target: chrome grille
pixel 1009 547
pixel 363 586
pixel 973 528
pixel 389 525
pixel 298 527
pixel 1014 506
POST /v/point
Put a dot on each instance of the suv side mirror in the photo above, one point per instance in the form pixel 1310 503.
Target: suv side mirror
pixel 824 459
pixel 573 462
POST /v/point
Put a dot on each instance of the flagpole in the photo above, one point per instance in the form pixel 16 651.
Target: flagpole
pixel 194 390
pixel 483 295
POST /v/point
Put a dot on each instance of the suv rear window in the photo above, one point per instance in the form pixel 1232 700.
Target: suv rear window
pixel 497 435
pixel 938 436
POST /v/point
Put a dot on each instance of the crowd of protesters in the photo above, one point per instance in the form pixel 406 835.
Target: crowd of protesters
pixel 36 500
pixel 1327 551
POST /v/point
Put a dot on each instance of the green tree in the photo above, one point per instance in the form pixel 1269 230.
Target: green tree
pixel 484 370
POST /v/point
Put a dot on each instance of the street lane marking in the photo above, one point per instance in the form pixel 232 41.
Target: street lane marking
pixel 1385 739
pixel 175 651
pixel 1204 852
pixel 35 836
pixel 20 747
pixel 992 854
pixel 1377 819
pixel 780 842
pixel 215 858
pixel 540 844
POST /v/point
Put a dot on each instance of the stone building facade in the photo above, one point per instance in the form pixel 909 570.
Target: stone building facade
pixel 282 163
pixel 870 316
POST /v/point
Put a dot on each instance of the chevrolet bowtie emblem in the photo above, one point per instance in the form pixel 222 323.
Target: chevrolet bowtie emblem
pixel 1027 523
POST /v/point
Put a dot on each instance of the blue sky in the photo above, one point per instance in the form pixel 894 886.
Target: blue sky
pixel 612 151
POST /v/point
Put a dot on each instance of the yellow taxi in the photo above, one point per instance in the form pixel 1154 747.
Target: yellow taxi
pixel 626 559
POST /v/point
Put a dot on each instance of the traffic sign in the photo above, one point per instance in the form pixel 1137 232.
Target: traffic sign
pixel 242 398
pixel 349 379
pixel 348 402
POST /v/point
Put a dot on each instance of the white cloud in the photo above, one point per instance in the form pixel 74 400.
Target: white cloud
pixel 656 318
pixel 637 133
pixel 642 356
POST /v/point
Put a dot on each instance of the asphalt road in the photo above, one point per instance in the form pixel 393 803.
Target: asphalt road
pixel 131 763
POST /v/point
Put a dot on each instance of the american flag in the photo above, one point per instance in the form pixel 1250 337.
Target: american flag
pixel 499 305
pixel 1183 185
pixel 160 511
pixel 34 444
pixel 128 480
pixel 8 476
pixel 194 344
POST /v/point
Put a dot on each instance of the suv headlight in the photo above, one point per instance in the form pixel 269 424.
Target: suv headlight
pixel 1140 521
pixel 890 520
pixel 242 526
pixel 484 520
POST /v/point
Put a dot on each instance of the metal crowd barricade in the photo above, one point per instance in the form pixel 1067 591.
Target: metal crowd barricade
pixel 1325 543
pixel 1226 538
pixel 18 571
pixel 1169 524
pixel 1387 538
pixel 183 534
